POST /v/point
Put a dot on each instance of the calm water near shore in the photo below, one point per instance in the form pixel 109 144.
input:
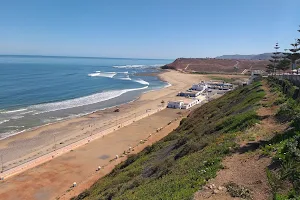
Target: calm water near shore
pixel 37 90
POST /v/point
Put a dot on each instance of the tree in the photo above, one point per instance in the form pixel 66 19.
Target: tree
pixel 270 68
pixel 283 64
pixel 275 60
pixel 294 54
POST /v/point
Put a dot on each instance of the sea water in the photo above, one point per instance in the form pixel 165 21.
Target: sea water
pixel 37 90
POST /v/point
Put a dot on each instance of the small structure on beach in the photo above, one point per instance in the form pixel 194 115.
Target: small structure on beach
pixel 202 86
pixel 219 85
pixel 188 103
pixel 189 93
pixel 184 103
pixel 175 104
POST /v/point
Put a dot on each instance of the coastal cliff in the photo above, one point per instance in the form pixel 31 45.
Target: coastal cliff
pixel 212 65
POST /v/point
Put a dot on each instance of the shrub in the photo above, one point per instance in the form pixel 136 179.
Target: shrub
pixel 236 190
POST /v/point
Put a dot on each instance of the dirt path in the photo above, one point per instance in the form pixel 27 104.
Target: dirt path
pixel 246 167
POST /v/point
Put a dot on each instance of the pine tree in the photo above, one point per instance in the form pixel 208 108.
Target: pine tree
pixel 274 61
pixel 283 64
pixel 294 54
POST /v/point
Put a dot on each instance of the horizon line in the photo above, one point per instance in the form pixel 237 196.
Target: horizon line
pixel 93 57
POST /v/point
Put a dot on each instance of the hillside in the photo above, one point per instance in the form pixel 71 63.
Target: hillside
pixel 263 56
pixel 177 166
pixel 216 65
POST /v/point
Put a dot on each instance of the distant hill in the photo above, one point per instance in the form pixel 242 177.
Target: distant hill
pixel 263 56
pixel 214 65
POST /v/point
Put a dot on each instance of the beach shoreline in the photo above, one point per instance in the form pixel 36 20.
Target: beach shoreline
pixel 99 110
pixel 157 74
pixel 28 145
pixel 111 133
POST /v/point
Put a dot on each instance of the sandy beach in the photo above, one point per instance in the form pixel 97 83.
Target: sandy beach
pixel 28 145
pixel 54 178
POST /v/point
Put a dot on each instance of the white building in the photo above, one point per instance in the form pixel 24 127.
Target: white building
pixel 183 104
pixel 199 87
pixel 219 85
pixel 188 103
pixel 175 104
pixel 189 93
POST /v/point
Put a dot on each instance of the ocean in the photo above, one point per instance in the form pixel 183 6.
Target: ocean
pixel 38 90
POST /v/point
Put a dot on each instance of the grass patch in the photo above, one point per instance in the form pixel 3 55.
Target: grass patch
pixel 219 78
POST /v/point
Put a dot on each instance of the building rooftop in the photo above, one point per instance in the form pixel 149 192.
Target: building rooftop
pixel 190 92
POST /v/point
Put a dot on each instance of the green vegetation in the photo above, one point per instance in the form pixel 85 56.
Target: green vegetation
pixel 180 164
pixel 218 78
pixel 238 191
pixel 284 178
pixel 228 80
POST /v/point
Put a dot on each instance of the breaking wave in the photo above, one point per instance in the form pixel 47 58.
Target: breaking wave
pixel 168 85
pixel 126 78
pixel 12 111
pixel 1 122
pixel 103 74
pixel 82 101
pixel 141 81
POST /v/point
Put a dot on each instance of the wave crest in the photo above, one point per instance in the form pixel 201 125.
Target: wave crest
pixel 141 81
pixel 1 122
pixel 82 101
pixel 103 74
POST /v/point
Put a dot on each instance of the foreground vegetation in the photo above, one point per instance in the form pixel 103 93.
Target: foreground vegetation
pixel 177 166
pixel 284 173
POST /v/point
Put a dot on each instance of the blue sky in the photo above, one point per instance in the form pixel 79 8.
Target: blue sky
pixel 146 29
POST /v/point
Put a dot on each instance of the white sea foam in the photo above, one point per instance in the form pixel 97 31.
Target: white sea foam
pixel 23 113
pixel 126 78
pixel 129 66
pixel 6 120
pixel 12 111
pixel 168 85
pixel 103 74
pixel 17 117
pixel 15 126
pixel 141 81
pixel 82 101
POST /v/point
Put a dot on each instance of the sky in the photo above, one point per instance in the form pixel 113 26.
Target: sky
pixel 146 28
